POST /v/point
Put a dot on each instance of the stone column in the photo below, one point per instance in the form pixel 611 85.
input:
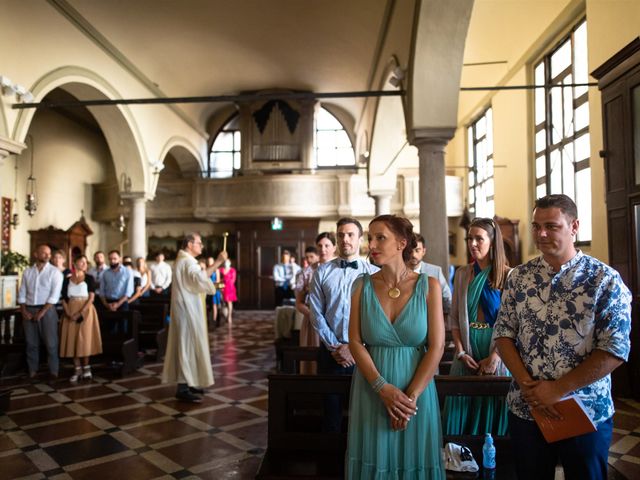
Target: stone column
pixel 383 201
pixel 137 226
pixel 433 204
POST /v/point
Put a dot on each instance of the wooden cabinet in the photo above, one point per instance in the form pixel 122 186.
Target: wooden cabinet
pixel 619 81
pixel 72 242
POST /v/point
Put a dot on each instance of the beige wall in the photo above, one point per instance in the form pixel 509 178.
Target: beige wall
pixel 68 159
pixel 611 25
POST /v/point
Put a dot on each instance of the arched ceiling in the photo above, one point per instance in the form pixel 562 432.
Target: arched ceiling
pixel 219 47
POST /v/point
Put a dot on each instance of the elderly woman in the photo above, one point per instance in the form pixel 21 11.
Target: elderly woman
pixel 476 301
pixel 80 334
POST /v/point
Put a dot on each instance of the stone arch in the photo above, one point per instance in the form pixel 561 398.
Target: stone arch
pixel 116 121
pixel 189 158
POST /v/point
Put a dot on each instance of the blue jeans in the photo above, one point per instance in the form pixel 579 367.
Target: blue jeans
pixel 46 330
pixel 583 457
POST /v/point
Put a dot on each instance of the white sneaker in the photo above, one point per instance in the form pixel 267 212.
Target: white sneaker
pixel 87 373
pixel 74 378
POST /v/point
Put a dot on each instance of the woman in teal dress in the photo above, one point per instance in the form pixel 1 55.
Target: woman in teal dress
pixel 477 289
pixel 396 336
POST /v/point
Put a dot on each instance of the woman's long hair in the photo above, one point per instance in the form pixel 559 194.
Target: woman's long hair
pixel 497 257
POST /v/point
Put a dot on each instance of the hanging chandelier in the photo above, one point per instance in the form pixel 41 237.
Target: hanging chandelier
pixel 31 203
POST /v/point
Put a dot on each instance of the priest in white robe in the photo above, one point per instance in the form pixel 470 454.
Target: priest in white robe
pixel 188 360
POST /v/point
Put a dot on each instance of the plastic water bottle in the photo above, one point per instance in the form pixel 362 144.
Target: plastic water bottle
pixel 488 456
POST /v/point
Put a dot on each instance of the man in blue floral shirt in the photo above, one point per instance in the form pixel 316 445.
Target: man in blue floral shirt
pixel 563 327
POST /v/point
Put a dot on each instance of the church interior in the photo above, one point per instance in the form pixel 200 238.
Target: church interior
pixel 125 125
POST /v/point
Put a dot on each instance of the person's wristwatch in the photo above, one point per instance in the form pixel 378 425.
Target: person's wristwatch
pixel 461 354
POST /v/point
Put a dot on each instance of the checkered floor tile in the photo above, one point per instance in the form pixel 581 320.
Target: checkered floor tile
pixel 134 428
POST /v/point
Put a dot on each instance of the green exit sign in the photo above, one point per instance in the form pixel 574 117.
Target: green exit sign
pixel 276 224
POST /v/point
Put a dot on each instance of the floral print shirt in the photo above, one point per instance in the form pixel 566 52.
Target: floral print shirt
pixel 557 318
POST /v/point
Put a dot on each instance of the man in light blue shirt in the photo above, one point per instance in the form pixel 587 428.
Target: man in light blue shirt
pixel 330 305
pixel 284 279
pixel 330 298
pixel 419 266
pixel 116 285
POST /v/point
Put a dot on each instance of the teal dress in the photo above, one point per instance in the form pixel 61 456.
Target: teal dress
pixel 477 415
pixel 375 451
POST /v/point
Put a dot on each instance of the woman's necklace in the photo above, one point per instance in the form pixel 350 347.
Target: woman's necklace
pixel 394 291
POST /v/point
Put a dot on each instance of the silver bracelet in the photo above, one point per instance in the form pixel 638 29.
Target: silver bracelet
pixel 378 383
pixel 460 355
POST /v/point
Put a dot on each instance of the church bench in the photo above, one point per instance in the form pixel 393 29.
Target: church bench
pixel 297 448
pixel 292 355
pixel 152 319
pixel 12 342
pixel 121 348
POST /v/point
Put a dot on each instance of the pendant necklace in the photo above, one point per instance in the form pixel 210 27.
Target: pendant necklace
pixel 394 292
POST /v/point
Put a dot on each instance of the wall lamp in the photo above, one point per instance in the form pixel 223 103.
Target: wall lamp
pixel 9 88
pixel 397 76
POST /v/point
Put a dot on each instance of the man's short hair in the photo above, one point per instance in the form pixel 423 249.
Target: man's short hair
pixel 348 220
pixel 189 237
pixel 420 238
pixel 286 252
pixel 98 253
pixel 311 249
pixel 117 252
pixel 561 201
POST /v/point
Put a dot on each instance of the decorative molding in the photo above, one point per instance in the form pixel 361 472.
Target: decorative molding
pixel 431 135
pixel 76 19
pixel 9 147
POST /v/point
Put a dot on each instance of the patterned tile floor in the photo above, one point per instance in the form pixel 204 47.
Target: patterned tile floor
pixel 134 428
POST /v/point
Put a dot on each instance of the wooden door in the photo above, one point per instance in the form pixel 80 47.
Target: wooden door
pixel 619 81
pixel 259 249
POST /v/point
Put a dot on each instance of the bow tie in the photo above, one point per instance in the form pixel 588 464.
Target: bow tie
pixel 345 264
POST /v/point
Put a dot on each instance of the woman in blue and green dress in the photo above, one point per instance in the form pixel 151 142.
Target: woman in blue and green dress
pixel 477 288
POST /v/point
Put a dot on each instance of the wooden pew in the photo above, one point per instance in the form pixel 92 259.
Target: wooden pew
pixel 153 316
pixel 292 355
pixel 13 346
pixel 479 386
pixel 298 449
pixel 296 446
pixel 121 347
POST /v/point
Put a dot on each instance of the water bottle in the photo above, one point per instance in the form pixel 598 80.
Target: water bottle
pixel 488 456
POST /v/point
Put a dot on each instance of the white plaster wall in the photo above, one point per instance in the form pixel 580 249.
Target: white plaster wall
pixel 48 43
pixel 68 159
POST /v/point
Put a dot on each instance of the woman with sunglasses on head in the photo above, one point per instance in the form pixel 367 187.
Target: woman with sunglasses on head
pixel 477 290
pixel 396 336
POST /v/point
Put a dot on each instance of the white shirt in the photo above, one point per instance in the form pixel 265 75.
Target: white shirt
pixel 160 275
pixel 40 286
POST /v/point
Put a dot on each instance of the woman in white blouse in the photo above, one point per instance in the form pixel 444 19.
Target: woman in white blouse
pixel 80 336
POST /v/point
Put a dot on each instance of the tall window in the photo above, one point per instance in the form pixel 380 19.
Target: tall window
pixel 562 125
pixel 480 162
pixel 332 144
pixel 224 157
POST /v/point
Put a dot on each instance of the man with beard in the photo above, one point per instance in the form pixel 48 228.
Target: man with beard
pixel 38 295
pixel 330 304
pixel 419 266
